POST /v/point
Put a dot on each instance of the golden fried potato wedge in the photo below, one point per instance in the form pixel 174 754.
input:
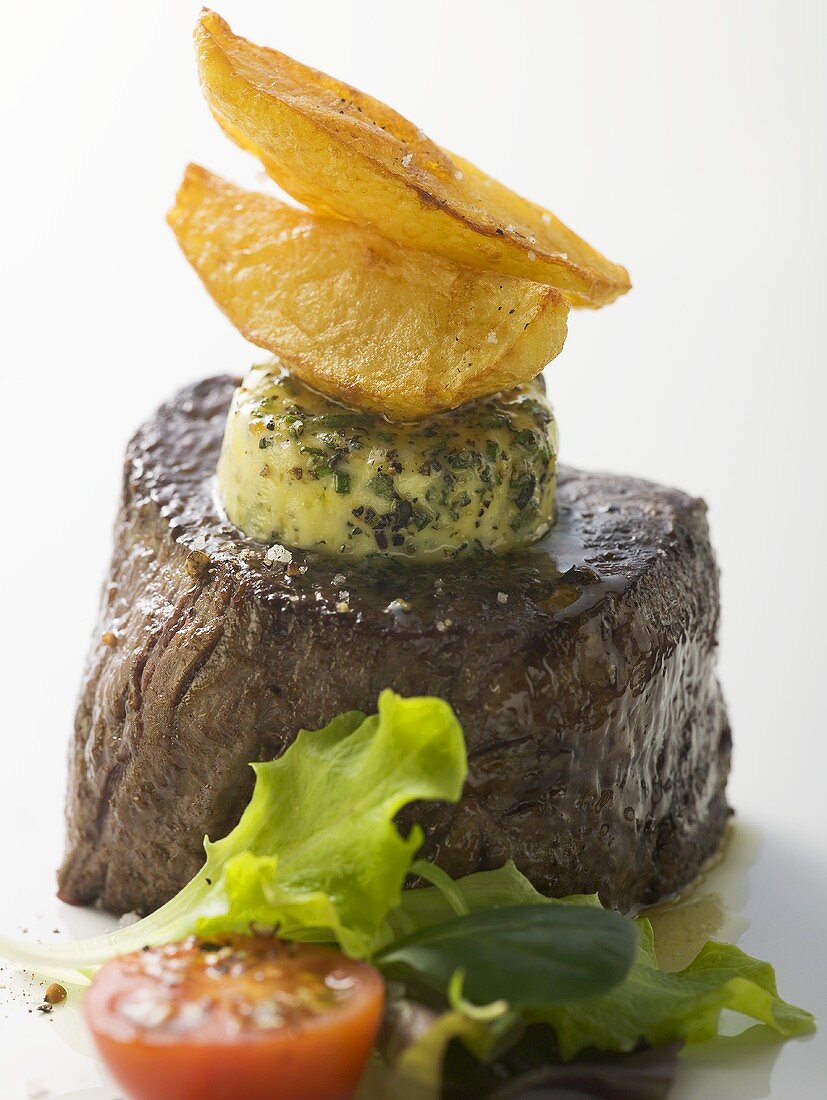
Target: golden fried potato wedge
pixel 338 150
pixel 362 319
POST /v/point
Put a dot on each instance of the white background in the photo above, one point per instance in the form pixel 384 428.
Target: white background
pixel 684 140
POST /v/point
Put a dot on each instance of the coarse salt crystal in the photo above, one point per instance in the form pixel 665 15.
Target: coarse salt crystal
pixel 340 578
pixel 279 553
pixel 406 160
pixel 457 174
pixel 398 605
pixel 532 255
pixel 502 597
pixel 492 337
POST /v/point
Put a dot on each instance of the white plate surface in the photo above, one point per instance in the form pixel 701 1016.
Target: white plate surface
pixel 687 141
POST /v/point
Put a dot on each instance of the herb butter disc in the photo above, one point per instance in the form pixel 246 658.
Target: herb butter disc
pixel 300 470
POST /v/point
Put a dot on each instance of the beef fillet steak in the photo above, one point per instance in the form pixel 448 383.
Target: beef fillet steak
pixel 582 670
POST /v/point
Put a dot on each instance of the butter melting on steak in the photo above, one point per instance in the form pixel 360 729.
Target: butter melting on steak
pixel 582 670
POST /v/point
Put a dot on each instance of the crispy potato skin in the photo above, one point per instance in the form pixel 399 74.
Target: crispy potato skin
pixel 338 150
pixel 368 322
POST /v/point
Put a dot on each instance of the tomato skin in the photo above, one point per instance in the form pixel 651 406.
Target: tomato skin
pixel 320 1057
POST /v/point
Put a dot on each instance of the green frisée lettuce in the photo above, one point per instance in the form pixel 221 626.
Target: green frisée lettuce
pixel 316 853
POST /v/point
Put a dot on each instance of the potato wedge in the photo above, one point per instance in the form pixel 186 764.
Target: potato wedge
pixel 338 150
pixel 364 320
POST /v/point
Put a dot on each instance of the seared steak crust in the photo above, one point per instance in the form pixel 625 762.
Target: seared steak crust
pixel 582 670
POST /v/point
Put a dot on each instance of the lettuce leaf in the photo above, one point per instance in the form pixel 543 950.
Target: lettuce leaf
pixel 474 893
pixel 317 855
pixel 316 852
pixel 649 1005
pixel 661 1008
pixel 330 862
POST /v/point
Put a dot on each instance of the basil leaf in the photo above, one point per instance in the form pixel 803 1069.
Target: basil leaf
pixel 532 956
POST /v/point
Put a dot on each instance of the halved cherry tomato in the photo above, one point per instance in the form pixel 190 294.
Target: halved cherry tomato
pixel 235 1018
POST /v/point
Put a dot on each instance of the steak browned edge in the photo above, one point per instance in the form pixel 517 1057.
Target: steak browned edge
pixel 582 670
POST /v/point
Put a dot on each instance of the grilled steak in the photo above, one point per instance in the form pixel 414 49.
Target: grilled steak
pixel 582 671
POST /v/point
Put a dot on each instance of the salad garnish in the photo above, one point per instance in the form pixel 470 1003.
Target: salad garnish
pixel 485 959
